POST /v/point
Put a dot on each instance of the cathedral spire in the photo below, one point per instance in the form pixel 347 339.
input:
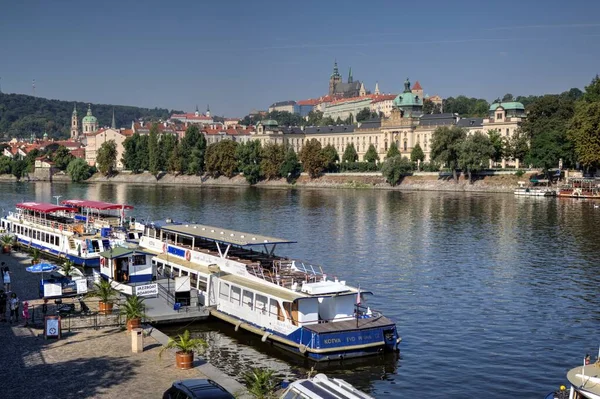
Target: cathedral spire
pixel 362 92
pixel 336 72
pixel 113 124
pixel 350 79
pixel 75 109
pixel 377 88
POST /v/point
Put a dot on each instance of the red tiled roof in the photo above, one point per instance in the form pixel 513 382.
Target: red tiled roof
pixel 311 101
pixel 417 86
pixel 78 153
pixel 384 97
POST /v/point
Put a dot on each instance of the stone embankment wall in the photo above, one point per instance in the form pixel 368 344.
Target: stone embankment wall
pixel 505 182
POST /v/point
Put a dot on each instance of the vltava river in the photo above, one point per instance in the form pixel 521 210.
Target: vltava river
pixel 494 296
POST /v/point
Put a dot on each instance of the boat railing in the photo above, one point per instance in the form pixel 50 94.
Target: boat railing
pixel 362 314
pixel 47 223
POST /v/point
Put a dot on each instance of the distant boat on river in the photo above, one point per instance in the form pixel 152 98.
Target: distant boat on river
pixel 581 187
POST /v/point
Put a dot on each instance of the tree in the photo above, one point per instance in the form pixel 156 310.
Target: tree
pixel 417 155
pixel 153 151
pixel 313 161
pixel 248 157
pixel 371 154
pixel 445 146
pixel 428 106
pixel 517 146
pixel 167 145
pixel 475 151
pixel 290 168
pixel 392 151
pixel 220 158
pixel 508 97
pixel 315 118
pixel 106 159
pixel 331 157
pixel 272 158
pixel 62 157
pixel 584 129
pixel 328 121
pixel 18 168
pixel 498 143
pixel 5 163
pixel 130 158
pixel 350 154
pixel 196 165
pixel 365 114
pixel 546 128
pixel 142 152
pixel 175 163
pixel 395 168
pixel 78 170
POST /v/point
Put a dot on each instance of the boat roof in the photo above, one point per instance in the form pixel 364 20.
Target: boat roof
pixel 99 205
pixel 223 235
pixel 586 378
pixel 121 252
pixel 43 207
pixel 269 289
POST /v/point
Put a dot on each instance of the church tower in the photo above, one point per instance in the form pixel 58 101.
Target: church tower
pixel 74 125
pixel 89 122
pixel 362 92
pixel 207 114
pixel 377 88
pixel 335 79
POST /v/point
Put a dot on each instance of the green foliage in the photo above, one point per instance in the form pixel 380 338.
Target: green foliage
pixel 395 168
pixel 69 269
pixel 220 158
pixel 350 154
pixel 35 255
pixel 417 154
pixel 30 159
pixel 130 158
pixel 105 291
pixel 498 143
pixel 313 160
pixel 359 167
pixel 466 107
pixel 261 382
pixel 290 168
pixel 78 170
pixel 272 158
pixel 185 343
pixel 175 161
pixel 584 132
pixel 167 145
pixel 517 146
pixel 508 97
pixel 5 163
pixel 592 92
pixel 430 167
pixel 446 146
pixel 153 151
pixel 133 308
pixel 519 173
pixel 248 156
pixel 142 152
pixel 106 159
pixel 192 150
pixel 331 158
pixel 62 157
pixel 429 107
pixel 371 154
pixel 196 165
pixel 283 118
pixel 22 115
pixel 392 151
pixel 18 168
pixel 546 128
pixel 475 152
pixel 365 114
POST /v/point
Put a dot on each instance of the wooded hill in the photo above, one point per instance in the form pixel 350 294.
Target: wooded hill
pixel 21 115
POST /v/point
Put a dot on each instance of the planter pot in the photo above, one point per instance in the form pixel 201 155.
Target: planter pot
pixel 6 249
pixel 184 360
pixel 105 307
pixel 133 323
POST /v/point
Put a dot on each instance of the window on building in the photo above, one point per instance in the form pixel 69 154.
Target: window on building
pixel 499 115
pixel 507 131
pixel 405 145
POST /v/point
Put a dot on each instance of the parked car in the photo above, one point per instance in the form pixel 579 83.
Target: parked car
pixel 196 388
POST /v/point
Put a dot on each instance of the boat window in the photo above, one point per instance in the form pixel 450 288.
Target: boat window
pixel 275 310
pixel 247 302
pixel 261 304
pixel 224 290
pixel 236 293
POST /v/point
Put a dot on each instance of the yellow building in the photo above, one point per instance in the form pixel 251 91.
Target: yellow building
pixel 93 142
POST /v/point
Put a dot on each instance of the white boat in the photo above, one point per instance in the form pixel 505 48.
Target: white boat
pixel 534 191
pixel 289 303
pixel 585 381
pixel 75 230
pixel 322 387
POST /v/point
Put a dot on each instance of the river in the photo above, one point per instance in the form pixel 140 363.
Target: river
pixel 493 295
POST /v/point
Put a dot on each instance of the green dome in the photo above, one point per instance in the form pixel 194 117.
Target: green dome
pixel 507 106
pixel 90 119
pixel 269 122
pixel 407 100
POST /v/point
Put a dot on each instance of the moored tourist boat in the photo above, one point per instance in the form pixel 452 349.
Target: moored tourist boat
pixel 289 303
pixel 72 230
pixel 582 187
pixel 534 191
pixel 585 381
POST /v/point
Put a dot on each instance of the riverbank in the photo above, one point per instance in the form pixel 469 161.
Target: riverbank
pixel 86 362
pixel 503 182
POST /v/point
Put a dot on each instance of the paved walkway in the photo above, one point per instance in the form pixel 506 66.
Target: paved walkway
pixel 86 363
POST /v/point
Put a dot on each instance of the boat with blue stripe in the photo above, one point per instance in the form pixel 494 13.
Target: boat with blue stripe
pixel 290 303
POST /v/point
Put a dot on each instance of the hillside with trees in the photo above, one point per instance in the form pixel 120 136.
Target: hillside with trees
pixel 22 115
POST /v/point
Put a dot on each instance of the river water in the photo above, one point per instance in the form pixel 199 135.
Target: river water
pixel 494 296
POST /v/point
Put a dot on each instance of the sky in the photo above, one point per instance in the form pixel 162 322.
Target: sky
pixel 243 55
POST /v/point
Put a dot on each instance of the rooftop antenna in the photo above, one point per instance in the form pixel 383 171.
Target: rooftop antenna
pixel 57 197
pixel 33 87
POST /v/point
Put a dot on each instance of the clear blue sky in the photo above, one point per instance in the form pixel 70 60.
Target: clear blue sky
pixel 240 55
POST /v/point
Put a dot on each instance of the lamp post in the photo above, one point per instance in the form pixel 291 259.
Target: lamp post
pixel 57 197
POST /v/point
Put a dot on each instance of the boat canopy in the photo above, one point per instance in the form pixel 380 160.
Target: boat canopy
pixel 96 205
pixel 223 235
pixel 43 207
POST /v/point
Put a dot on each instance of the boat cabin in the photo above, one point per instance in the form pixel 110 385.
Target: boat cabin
pixel 126 265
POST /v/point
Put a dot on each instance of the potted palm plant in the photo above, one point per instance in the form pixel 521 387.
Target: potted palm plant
pixel 134 310
pixel 185 346
pixel 106 293
pixel 69 269
pixel 6 243
pixel 35 256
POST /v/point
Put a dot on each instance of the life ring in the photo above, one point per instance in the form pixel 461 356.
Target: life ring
pixel 165 248
pixel 60 227
pixel 53 225
pixel 102 261
pixel 188 255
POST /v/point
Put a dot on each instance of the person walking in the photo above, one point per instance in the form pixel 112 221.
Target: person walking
pixel 3 299
pixel 26 313
pixel 6 279
pixel 13 304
